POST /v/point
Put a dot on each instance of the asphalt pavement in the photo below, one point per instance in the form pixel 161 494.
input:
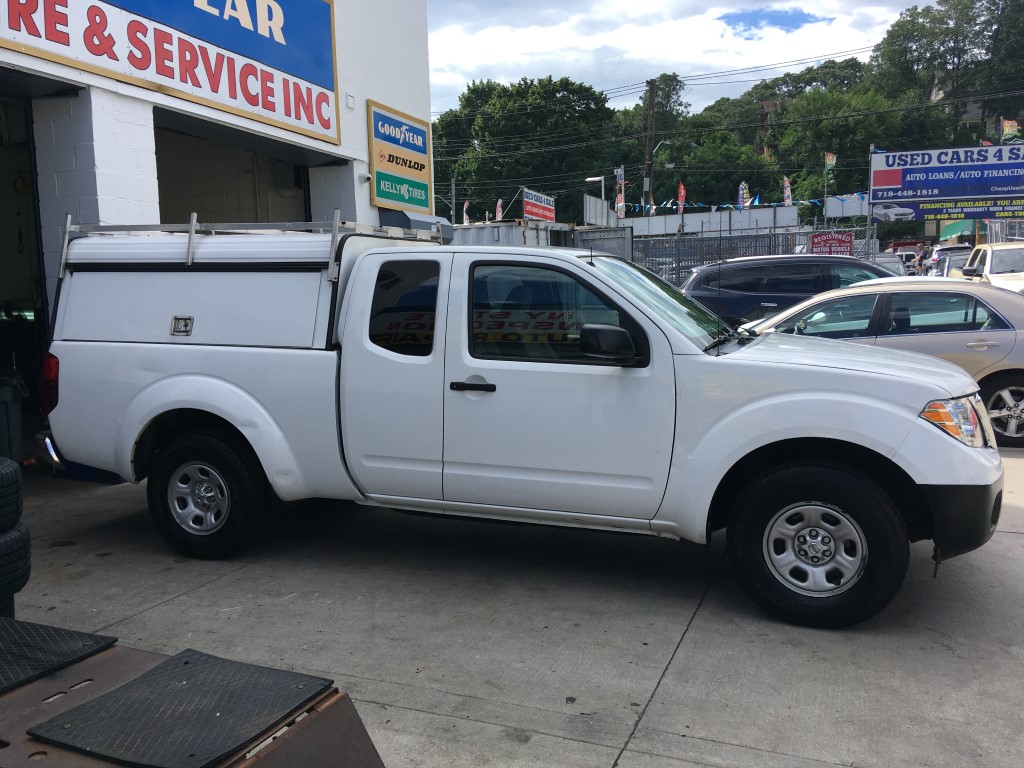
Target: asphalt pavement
pixel 481 644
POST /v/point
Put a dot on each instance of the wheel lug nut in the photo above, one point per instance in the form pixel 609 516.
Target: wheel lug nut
pixel 826 540
pixel 802 539
pixel 802 552
pixel 813 534
pixel 827 553
pixel 815 560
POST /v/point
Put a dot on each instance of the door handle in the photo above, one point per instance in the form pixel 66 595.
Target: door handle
pixel 465 386
pixel 766 304
pixel 982 344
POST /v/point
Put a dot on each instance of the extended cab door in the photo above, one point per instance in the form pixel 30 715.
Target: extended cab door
pixel 392 383
pixel 531 422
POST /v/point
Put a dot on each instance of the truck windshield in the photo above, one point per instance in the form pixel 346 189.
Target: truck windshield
pixel 691 319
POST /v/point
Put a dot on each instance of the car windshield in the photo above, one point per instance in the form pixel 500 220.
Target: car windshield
pixel 691 319
pixel 1010 260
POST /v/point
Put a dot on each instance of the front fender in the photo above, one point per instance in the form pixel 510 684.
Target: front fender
pixel 220 398
pixel 700 463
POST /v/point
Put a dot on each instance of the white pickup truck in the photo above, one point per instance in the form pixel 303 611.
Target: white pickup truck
pixel 535 385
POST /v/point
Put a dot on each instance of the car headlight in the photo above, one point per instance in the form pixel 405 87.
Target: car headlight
pixel 964 418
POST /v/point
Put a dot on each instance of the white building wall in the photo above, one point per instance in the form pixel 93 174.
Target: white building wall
pixel 95 160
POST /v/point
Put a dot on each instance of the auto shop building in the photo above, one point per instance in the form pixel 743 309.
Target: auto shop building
pixel 135 112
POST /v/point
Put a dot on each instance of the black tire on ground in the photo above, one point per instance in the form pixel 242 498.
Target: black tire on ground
pixel 207 494
pixel 6 606
pixel 818 545
pixel 10 494
pixel 1004 400
pixel 15 559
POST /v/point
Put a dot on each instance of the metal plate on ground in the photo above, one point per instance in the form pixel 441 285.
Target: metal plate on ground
pixel 29 651
pixel 190 711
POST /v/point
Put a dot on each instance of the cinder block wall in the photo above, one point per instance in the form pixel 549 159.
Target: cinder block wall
pixel 95 159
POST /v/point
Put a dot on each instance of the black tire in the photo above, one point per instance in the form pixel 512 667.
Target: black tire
pixel 15 559
pixel 10 494
pixel 826 505
pixel 1004 400
pixel 6 606
pixel 207 494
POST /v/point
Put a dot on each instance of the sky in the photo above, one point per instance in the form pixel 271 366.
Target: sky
pixel 617 46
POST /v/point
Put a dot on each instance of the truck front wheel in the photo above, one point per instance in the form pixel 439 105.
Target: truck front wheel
pixel 206 494
pixel 818 545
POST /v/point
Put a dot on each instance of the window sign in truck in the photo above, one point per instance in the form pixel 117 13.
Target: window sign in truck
pixel 535 385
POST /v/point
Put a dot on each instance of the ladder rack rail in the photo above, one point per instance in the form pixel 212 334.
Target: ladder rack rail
pixel 336 228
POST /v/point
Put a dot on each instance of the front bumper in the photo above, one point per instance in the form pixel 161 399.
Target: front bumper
pixel 964 516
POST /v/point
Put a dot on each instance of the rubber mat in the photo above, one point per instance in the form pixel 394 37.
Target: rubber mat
pixel 29 651
pixel 190 711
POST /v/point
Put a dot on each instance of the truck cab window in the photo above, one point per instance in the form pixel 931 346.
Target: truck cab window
pixel 531 313
pixel 405 306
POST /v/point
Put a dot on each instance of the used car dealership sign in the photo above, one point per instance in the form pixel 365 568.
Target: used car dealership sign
pixel 269 60
pixel 971 183
pixel 538 206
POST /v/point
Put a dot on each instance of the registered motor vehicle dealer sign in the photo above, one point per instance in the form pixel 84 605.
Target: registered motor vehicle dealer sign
pixel 832 243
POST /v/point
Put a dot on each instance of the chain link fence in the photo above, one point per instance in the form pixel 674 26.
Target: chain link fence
pixel 672 258
pixel 1007 231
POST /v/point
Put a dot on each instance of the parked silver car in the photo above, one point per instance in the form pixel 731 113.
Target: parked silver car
pixel 975 325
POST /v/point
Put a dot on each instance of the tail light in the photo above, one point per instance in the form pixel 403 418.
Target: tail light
pixel 48 390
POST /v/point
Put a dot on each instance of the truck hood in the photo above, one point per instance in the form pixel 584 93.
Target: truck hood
pixel 787 349
pixel 1013 281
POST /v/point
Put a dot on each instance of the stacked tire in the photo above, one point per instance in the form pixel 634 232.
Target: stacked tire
pixel 15 544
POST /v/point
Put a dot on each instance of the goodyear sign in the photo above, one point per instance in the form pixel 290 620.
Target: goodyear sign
pixel 267 60
pixel 400 166
pixel 971 182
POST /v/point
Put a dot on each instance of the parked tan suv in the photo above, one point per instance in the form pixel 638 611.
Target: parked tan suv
pixel 1001 264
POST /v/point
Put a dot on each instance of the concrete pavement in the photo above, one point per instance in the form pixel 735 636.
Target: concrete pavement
pixel 469 644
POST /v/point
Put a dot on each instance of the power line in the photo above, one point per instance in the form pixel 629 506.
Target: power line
pixel 636 88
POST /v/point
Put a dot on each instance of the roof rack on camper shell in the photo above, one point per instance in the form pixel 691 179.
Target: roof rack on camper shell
pixel 335 228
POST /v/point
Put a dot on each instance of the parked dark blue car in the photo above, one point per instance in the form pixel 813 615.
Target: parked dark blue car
pixel 753 287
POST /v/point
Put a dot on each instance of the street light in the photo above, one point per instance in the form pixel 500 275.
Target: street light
pixel 597 178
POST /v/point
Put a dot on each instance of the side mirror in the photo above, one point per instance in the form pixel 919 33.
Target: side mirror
pixel 969 271
pixel 607 342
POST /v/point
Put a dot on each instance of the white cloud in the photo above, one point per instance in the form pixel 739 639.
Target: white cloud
pixel 609 43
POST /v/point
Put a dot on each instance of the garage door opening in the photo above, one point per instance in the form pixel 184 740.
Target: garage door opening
pixel 23 325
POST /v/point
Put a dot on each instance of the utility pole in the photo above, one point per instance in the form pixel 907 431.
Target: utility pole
pixel 453 199
pixel 652 90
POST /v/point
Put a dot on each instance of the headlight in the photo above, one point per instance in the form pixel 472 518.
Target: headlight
pixel 964 418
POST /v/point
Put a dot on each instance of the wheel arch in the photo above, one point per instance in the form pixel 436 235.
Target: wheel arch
pixel 180 421
pixel 177 404
pixel 910 502
pixel 993 375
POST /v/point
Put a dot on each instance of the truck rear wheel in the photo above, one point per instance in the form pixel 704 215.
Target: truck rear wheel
pixel 818 545
pixel 206 494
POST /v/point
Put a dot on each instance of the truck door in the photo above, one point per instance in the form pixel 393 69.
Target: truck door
pixel 392 372
pixel 529 421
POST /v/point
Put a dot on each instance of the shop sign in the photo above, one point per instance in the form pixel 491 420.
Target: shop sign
pixel 267 60
pixel 400 165
pixel 973 182
pixel 832 243
pixel 538 206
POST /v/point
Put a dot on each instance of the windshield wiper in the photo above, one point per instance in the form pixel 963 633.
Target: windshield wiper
pixel 742 335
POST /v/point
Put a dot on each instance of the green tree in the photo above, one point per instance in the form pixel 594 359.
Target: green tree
pixel 543 134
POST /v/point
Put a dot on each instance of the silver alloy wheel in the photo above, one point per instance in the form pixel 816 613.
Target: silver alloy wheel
pixel 1006 410
pixel 815 549
pixel 198 498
